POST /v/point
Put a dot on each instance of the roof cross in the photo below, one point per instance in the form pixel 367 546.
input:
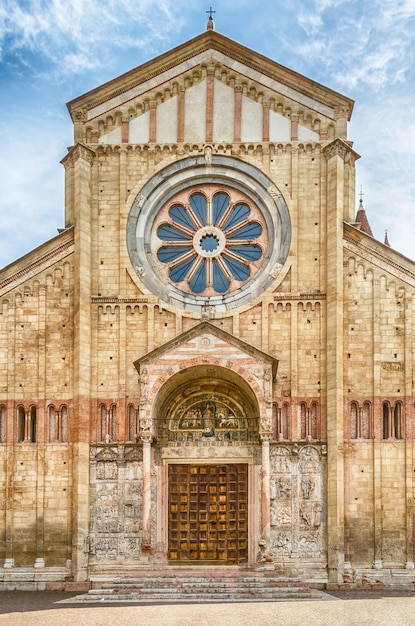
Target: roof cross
pixel 211 11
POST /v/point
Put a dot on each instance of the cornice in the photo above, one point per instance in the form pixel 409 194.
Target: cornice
pixel 117 300
pixel 215 41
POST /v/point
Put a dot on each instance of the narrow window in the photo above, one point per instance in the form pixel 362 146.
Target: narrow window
pixel 52 424
pixel 32 425
pixel 397 416
pixel 285 420
pixel 354 412
pixel 303 417
pixel 365 422
pixel 64 423
pixel 104 423
pixel 132 423
pixel 313 421
pixel 21 423
pixel 2 424
pixel 113 423
pixel 386 414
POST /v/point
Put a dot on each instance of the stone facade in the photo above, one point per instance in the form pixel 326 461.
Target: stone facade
pixel 283 344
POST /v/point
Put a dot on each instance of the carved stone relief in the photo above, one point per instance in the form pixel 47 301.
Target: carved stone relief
pixel 116 501
pixel 297 504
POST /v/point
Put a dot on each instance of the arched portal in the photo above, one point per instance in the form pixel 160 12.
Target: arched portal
pixel 206 427
pixel 206 403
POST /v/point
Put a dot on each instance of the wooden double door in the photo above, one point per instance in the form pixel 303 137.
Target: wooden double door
pixel 208 514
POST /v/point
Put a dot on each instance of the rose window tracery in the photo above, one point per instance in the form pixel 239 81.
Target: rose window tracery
pixel 211 240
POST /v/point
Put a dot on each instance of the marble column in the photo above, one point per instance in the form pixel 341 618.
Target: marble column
pixel 146 439
pixel 265 491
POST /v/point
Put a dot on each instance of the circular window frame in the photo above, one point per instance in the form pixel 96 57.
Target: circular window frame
pixel 196 172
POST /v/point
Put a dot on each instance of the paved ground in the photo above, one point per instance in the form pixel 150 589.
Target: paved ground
pixel 351 609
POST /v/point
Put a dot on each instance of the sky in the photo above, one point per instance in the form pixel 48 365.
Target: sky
pixel 52 51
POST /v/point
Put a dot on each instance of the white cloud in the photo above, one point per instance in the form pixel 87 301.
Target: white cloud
pixel 359 43
pixel 89 30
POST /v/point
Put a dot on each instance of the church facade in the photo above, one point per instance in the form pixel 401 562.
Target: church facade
pixel 212 363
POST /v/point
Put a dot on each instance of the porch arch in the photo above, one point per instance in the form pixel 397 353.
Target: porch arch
pixel 206 401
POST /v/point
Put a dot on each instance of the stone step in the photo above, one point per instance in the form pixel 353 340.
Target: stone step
pixel 172 597
pixel 277 582
pixel 185 586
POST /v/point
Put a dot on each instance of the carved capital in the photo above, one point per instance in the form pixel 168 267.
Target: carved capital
pixel 340 148
pixel 146 437
pixel 77 152
pixel 79 115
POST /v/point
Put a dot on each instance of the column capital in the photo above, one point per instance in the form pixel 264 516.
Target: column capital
pixel 340 148
pixel 76 153
pixel 146 437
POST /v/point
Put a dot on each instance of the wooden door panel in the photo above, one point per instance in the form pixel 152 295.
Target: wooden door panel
pixel 208 513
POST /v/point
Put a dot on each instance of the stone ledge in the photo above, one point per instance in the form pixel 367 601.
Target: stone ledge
pixel 34 575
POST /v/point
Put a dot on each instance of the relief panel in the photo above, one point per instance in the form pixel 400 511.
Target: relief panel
pixel 297 501
pixel 116 501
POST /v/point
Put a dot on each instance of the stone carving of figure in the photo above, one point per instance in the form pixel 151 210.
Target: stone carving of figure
pixel 307 486
pixel 282 463
pixel 309 461
pixel 279 488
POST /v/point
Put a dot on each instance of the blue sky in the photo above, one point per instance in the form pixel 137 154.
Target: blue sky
pixel 52 51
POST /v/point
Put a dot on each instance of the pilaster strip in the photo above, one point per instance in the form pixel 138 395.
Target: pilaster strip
pixel 209 104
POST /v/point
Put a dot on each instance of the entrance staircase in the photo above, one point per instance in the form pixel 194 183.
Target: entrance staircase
pixel 203 585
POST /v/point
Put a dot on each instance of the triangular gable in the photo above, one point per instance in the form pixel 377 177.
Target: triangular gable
pixel 157 85
pixel 152 73
pixel 207 328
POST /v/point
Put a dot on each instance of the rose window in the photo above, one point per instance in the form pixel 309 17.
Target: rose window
pixel 211 240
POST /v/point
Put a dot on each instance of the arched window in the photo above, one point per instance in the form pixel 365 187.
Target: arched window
pixel 314 421
pixel 113 422
pixel 64 423
pixel 58 423
pixel 365 422
pixel 21 424
pixel 32 424
pixel 303 418
pixel 53 426
pixel 392 420
pixel 132 423
pixel 397 418
pixel 309 416
pixel 104 423
pixel 3 416
pixel 360 426
pixel 108 423
pixel 282 421
pixel 354 412
pixel 385 416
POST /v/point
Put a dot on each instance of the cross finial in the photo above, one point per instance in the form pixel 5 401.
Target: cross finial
pixel 211 23
pixel 361 194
